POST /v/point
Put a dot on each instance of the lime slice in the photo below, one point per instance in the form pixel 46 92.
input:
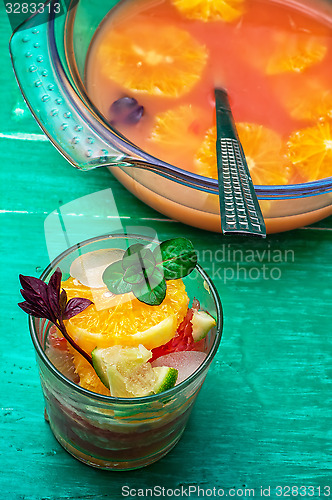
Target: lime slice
pixel 166 378
pixel 202 323
pixel 142 381
pixel 127 373
pixel 125 359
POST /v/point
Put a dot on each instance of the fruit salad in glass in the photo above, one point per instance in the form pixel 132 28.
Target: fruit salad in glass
pixel 125 330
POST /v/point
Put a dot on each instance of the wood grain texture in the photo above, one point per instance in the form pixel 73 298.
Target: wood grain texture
pixel 263 417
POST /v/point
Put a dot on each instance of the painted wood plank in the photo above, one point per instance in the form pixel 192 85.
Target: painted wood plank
pixel 263 417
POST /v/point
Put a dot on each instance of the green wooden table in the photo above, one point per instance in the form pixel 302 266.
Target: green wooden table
pixel 263 417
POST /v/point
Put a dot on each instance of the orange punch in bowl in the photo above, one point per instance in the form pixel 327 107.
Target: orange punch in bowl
pixel 132 89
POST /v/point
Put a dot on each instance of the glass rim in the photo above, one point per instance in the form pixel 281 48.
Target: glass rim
pixel 112 399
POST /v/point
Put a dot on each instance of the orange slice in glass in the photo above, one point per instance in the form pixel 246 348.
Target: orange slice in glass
pixel 122 317
pixel 211 10
pixel 263 149
pixel 88 378
pixel 160 60
pixel 117 321
pixel 310 150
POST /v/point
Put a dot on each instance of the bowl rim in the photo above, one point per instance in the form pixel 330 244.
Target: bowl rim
pixel 266 192
pixel 96 122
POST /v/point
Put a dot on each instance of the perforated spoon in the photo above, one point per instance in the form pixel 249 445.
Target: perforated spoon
pixel 240 212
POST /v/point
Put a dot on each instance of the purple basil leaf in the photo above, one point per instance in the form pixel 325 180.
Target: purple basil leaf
pixel 53 292
pixel 63 300
pixel 36 302
pixel 34 284
pixel 34 311
pixel 31 296
pixel 53 302
pixel 75 306
pixel 55 281
pixel 35 293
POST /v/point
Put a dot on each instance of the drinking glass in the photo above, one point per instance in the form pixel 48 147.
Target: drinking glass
pixel 120 433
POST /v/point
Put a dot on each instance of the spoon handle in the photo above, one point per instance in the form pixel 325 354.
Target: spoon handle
pixel 240 212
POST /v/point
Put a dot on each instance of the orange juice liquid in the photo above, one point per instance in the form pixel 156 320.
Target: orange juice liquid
pixel 239 55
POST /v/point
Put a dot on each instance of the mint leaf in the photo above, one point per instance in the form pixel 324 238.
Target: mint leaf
pixel 149 283
pixel 178 257
pixel 133 249
pixel 144 272
pixel 153 296
pixel 113 279
pixel 133 274
pixel 138 255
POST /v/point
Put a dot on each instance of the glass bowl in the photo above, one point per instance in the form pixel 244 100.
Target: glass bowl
pixel 48 55
pixel 120 433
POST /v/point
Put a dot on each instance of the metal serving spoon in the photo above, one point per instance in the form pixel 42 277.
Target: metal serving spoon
pixel 240 212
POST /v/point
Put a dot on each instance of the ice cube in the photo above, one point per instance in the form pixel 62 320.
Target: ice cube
pixel 186 362
pixel 88 268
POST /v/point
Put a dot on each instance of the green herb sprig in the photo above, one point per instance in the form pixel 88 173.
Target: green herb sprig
pixel 144 272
